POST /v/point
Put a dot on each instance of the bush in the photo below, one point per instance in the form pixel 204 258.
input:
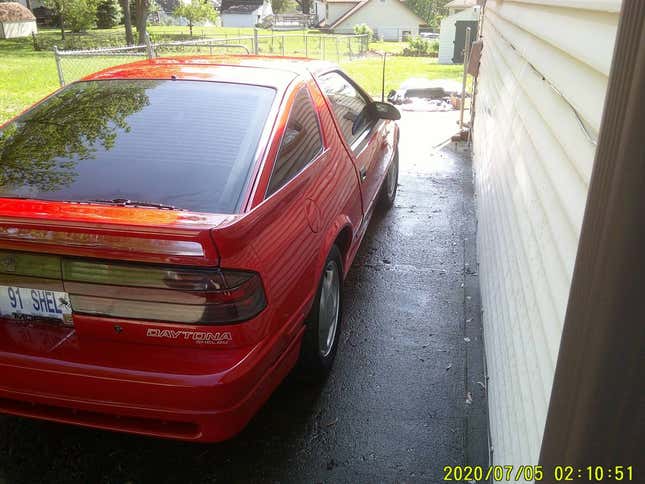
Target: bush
pixel 80 15
pixel 108 14
pixel 418 47
pixel 361 29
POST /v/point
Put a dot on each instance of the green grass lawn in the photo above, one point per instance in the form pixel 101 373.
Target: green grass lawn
pixel 367 72
pixel 27 75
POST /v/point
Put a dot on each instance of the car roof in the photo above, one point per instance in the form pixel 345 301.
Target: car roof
pixel 276 72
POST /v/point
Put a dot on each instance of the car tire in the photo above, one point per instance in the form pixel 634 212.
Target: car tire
pixel 323 324
pixel 390 184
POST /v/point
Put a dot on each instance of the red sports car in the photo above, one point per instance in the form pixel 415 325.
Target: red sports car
pixel 174 235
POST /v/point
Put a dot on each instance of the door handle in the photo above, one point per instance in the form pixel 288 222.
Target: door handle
pixel 363 173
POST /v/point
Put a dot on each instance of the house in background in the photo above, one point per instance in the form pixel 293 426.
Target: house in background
pixel 389 19
pixel 452 36
pixel 16 21
pixel 244 13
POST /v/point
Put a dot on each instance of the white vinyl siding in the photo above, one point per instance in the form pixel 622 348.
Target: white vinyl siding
pixel 336 10
pixel 540 93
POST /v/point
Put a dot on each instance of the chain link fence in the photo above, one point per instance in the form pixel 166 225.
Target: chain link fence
pixel 75 64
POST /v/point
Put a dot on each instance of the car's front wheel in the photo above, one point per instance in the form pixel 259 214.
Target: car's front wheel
pixel 390 184
pixel 320 342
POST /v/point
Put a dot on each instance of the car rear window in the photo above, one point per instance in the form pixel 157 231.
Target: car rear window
pixel 189 144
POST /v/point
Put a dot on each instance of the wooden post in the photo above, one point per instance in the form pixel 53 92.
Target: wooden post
pixel 464 79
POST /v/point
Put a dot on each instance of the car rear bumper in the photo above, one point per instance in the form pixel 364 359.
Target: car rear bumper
pixel 194 407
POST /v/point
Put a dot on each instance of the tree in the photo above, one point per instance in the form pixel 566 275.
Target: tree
pixel 81 14
pixel 141 11
pixel 429 10
pixel 305 5
pixel 59 7
pixel 78 15
pixel 196 11
pixel 282 6
pixel 127 21
pixel 108 14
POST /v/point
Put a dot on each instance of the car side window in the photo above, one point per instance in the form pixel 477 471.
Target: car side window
pixel 301 142
pixel 348 104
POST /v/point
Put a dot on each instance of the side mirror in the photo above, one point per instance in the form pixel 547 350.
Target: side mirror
pixel 385 111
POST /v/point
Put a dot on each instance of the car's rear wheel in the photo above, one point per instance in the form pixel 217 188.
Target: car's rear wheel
pixel 390 184
pixel 320 342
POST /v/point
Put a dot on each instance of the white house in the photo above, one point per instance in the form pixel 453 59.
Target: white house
pixel 540 92
pixel 463 14
pixel 16 21
pixel 389 19
pixel 244 13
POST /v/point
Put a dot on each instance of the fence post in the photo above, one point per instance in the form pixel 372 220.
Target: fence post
pixel 306 46
pixel 256 49
pixel 282 45
pixel 349 47
pixel 61 78
pixel 150 49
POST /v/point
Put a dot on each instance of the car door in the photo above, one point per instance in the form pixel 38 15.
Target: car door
pixel 362 131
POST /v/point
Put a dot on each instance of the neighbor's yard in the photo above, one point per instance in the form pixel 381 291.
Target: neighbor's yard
pixel 27 75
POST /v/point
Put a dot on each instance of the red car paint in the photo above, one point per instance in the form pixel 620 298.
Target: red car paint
pixel 160 379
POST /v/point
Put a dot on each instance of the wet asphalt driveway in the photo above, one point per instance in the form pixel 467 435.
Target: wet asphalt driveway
pixel 407 393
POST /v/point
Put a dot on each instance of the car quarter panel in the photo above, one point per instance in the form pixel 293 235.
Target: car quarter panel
pixel 286 236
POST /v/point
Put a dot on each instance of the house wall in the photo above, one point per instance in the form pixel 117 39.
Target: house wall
pixel 246 19
pixel 10 30
pixel 387 18
pixel 540 93
pixel 447 33
pixel 336 9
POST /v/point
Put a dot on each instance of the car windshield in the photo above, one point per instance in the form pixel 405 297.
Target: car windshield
pixel 188 144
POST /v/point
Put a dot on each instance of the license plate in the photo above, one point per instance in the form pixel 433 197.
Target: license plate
pixel 26 304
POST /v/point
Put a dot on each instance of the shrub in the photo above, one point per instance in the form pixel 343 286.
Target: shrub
pixel 417 47
pixel 81 15
pixel 108 14
pixel 361 29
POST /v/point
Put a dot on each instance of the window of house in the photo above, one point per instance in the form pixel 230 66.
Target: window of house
pixel 301 142
pixel 349 105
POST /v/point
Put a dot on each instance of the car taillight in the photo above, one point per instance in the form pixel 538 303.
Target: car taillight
pixel 173 294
